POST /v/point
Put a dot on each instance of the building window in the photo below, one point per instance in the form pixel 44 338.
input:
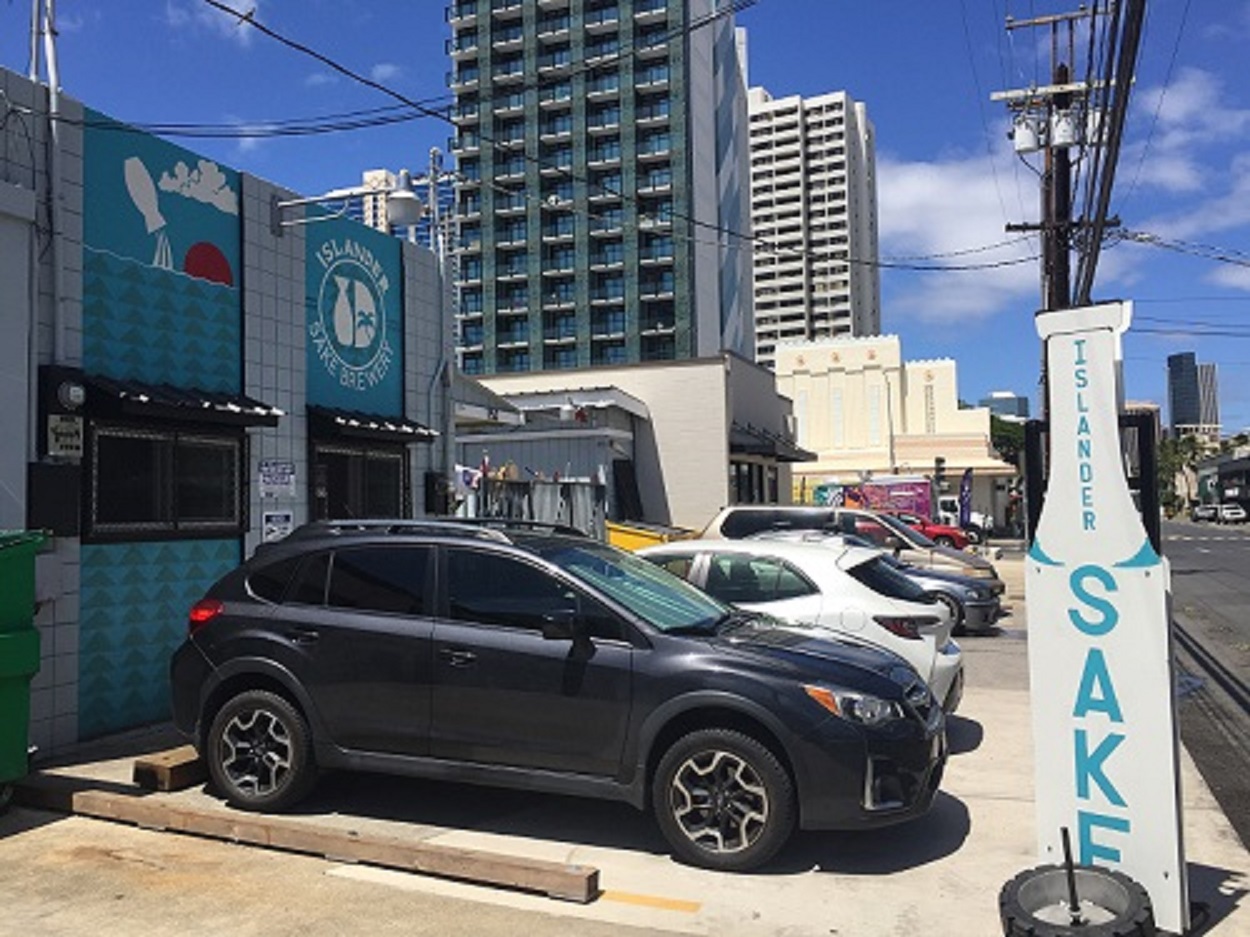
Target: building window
pixel 352 481
pixel 837 419
pixel 167 482
pixel 930 411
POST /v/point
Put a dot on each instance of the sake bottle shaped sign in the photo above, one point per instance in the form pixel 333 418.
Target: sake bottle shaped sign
pixel 1104 725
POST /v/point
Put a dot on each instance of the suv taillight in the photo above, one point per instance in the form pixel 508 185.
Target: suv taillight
pixel 900 625
pixel 202 612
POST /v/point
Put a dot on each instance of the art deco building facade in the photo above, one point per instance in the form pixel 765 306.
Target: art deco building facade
pixel 601 157
pixel 814 218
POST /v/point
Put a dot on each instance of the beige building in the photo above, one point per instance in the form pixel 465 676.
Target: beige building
pixel 863 410
pixel 814 204
pixel 699 434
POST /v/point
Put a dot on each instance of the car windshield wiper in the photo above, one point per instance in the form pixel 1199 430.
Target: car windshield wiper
pixel 730 620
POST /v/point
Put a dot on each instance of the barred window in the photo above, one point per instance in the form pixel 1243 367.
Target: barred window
pixel 165 481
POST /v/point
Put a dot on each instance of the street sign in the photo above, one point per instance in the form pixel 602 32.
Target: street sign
pixel 1104 718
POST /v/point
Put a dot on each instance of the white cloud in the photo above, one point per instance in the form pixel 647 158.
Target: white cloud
pixel 1184 119
pixel 180 14
pixel 385 71
pixel 206 183
pixel 954 207
pixel 319 80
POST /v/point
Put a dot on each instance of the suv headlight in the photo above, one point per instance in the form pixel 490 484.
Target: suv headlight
pixel 855 707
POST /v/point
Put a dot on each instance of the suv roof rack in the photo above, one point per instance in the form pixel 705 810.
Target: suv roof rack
pixel 483 528
pixel 517 523
pixel 393 526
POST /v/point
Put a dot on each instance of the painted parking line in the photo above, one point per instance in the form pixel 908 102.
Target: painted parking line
pixel 652 901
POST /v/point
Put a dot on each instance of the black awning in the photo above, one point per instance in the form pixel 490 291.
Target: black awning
pixel 109 397
pixel 745 439
pixel 327 421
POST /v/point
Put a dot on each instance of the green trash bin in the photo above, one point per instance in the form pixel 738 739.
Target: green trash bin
pixel 19 650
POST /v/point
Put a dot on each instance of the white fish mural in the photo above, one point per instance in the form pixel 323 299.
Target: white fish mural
pixel 143 193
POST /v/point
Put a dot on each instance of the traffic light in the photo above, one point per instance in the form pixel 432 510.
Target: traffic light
pixel 939 472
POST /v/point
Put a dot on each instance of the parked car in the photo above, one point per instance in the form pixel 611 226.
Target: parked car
pixel 944 535
pixel 888 533
pixel 1232 513
pixel 852 590
pixel 1205 512
pixel 524 657
pixel 973 604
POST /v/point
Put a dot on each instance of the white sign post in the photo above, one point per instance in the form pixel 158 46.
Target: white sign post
pixel 1100 664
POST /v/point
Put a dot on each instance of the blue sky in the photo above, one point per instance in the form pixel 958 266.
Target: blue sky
pixel 948 180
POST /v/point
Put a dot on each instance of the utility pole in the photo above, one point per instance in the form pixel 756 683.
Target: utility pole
pixel 1053 118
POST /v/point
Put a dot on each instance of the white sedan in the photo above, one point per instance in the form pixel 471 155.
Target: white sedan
pixel 852 590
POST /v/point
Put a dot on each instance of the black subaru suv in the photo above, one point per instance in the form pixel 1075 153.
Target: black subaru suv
pixel 533 658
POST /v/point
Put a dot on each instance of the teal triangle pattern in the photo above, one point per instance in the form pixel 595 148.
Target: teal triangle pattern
pixel 159 326
pixel 134 600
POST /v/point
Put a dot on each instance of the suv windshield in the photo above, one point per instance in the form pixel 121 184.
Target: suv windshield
pixel 655 595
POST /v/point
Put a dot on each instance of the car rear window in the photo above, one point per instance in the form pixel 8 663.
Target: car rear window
pixel 740 524
pixel 881 577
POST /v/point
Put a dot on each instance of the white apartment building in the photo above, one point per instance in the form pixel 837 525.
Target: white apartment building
pixel 814 218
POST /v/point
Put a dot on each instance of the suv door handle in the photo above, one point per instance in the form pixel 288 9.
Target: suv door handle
pixel 303 635
pixel 457 658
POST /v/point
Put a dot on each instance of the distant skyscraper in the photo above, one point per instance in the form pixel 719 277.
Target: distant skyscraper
pixel 603 191
pixel 1193 396
pixel 1006 403
pixel 814 217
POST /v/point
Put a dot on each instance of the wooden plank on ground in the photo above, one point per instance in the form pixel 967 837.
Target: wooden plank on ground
pixel 567 881
pixel 173 770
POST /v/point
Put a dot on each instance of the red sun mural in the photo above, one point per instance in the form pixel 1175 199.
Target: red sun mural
pixel 205 261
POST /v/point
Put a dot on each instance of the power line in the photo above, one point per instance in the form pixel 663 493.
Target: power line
pixel 750 241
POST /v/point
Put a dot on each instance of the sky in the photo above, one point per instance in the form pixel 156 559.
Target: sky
pixel 949 181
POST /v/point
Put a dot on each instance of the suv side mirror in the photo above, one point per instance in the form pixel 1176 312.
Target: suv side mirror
pixel 562 624
pixel 893 543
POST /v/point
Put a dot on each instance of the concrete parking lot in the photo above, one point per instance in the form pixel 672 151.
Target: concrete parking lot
pixel 939 875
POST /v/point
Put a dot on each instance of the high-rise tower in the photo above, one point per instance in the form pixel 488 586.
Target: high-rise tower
pixel 814 218
pixel 1193 396
pixel 602 210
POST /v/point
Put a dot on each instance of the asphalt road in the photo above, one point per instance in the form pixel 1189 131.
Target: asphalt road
pixel 1211 609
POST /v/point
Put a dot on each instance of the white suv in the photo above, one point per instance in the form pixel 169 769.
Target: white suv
pixel 1232 513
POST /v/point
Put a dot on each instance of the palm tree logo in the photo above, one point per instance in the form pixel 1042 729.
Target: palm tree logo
pixel 355 314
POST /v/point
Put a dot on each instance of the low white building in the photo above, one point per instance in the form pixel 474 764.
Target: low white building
pixel 864 411
pixel 675 440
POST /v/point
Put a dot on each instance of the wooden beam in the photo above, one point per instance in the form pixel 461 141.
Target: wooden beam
pixel 566 881
pixel 173 770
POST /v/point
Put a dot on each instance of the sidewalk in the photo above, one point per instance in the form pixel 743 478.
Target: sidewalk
pixel 939 875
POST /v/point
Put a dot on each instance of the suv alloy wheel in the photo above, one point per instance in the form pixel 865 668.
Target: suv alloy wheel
pixel 723 800
pixel 259 753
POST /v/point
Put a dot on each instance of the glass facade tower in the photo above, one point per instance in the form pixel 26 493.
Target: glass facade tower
pixel 602 183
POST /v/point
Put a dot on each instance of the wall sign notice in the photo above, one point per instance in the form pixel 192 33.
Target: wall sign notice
pixel 277 524
pixel 277 478
pixel 1104 723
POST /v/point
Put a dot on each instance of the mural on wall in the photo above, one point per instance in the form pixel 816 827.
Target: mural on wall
pixel 355 318
pixel 161 260
pixel 161 304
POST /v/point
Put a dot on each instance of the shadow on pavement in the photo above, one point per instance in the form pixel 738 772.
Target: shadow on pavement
pixel 1213 896
pixel 936 835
